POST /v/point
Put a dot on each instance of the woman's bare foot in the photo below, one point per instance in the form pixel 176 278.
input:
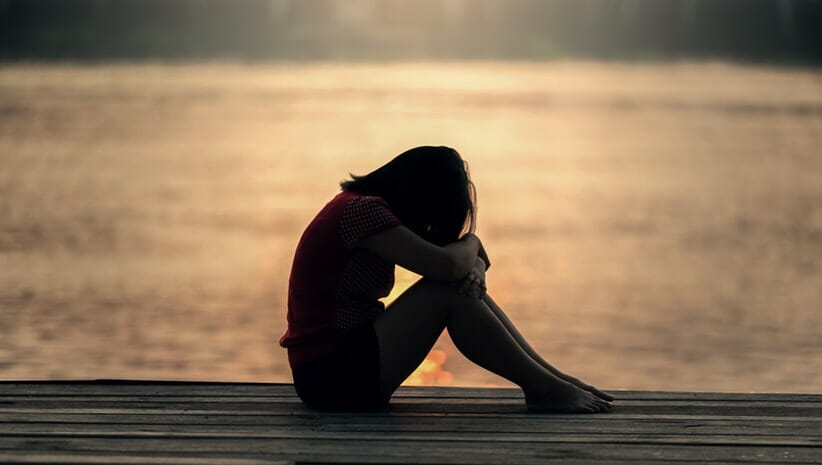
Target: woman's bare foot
pixel 589 388
pixel 564 397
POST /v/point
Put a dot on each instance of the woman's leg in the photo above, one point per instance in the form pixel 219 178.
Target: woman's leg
pixel 503 318
pixel 407 330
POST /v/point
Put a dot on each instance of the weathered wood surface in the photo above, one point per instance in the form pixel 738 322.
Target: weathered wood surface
pixel 247 423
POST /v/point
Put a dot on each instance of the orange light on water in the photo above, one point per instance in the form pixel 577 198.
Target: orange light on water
pixel 431 371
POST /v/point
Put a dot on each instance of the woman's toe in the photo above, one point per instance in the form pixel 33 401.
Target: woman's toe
pixel 593 408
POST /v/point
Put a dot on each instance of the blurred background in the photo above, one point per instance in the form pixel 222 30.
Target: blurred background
pixel 649 178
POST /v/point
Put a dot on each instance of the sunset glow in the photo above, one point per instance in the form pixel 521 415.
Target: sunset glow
pixel 431 371
pixel 150 212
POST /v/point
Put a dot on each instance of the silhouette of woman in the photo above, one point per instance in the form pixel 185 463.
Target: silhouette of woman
pixel 348 352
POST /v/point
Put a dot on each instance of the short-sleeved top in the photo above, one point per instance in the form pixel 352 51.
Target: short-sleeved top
pixel 335 285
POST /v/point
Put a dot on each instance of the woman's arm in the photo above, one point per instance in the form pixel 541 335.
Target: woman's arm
pixel 402 246
pixel 484 256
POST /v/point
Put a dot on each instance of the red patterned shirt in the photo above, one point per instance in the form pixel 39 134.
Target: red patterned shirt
pixel 334 284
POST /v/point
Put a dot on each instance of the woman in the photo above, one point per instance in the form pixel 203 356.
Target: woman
pixel 347 351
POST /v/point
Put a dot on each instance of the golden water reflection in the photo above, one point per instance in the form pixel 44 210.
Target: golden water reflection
pixel 651 226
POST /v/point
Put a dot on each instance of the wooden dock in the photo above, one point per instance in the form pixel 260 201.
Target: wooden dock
pixel 122 422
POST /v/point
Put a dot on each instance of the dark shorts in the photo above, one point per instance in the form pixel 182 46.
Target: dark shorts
pixel 345 380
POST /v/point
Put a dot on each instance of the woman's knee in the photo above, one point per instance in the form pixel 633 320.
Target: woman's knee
pixel 437 289
pixel 445 294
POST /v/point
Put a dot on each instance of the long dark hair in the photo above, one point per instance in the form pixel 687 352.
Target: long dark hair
pixel 428 188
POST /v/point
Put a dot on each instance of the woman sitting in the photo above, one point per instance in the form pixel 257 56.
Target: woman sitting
pixel 347 351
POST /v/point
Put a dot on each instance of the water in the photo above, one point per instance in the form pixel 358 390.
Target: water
pixel 651 226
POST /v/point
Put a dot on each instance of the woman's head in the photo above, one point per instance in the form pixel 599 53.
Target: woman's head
pixel 429 190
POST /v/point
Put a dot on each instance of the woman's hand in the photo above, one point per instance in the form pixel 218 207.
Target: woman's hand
pixel 473 284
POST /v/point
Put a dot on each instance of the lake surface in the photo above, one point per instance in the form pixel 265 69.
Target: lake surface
pixel 650 226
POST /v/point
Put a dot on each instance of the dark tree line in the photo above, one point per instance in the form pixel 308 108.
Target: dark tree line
pixel 768 30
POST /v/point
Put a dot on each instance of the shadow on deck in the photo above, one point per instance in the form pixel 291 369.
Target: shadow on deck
pixel 134 422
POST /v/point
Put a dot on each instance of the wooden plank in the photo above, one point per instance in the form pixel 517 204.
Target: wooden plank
pixel 218 396
pixel 464 416
pixel 308 416
pixel 466 392
pixel 64 458
pixel 218 399
pixel 69 458
pixel 399 408
pixel 414 406
pixel 203 423
pixel 504 437
pixel 143 388
pixel 443 405
pixel 167 389
pixel 391 450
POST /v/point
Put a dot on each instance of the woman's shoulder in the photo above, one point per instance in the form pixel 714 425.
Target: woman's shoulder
pixel 363 216
pixel 354 199
pixel 346 205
